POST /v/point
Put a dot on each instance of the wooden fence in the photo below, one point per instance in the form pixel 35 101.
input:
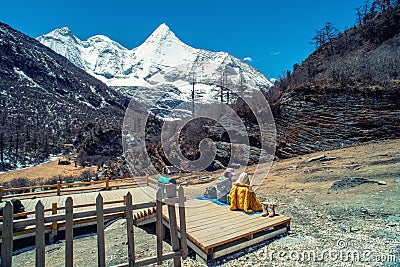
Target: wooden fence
pixel 59 188
pixel 55 226
pixel 40 222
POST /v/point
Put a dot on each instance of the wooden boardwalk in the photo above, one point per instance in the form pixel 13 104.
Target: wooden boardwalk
pixel 212 230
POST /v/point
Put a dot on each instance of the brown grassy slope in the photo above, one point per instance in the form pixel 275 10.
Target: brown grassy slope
pixel 45 171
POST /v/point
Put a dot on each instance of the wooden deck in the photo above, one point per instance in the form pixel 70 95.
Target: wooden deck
pixel 214 231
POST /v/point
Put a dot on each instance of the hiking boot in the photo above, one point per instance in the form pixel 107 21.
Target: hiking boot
pixel 265 209
pixel 272 207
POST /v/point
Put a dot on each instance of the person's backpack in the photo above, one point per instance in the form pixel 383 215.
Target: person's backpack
pixel 211 193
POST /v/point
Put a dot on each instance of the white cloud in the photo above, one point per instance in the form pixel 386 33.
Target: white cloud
pixel 275 53
pixel 248 59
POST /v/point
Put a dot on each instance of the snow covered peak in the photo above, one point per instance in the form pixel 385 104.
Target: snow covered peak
pixel 162 64
pixel 161 33
pixel 64 31
pixel 162 30
pixel 65 43
pixel 162 36
pixel 105 40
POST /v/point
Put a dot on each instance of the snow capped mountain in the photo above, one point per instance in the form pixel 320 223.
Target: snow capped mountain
pixel 162 65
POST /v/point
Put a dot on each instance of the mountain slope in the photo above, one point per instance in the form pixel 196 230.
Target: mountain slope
pixel 46 101
pixel 346 92
pixel 162 64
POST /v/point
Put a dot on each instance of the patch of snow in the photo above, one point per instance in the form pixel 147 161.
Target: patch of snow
pixel 23 76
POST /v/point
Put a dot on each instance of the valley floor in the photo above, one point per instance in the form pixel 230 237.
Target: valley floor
pixel 358 226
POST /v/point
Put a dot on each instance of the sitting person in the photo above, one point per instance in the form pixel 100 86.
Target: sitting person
pixel 242 196
pixel 224 185
pixel 243 178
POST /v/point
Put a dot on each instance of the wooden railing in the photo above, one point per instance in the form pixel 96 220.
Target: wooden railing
pixel 151 182
pixel 59 188
pixel 42 222
pixel 55 227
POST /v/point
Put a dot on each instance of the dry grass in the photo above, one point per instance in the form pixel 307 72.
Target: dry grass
pixel 45 171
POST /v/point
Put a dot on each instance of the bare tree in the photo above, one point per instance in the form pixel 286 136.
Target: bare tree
pixel 325 36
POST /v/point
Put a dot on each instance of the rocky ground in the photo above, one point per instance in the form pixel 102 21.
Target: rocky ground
pixel 355 223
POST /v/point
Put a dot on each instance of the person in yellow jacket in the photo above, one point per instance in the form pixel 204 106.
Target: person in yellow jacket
pixel 242 196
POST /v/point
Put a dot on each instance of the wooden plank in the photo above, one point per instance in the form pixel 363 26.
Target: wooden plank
pixel 150 260
pixel 53 224
pixel 210 209
pixel 7 244
pixel 130 231
pixel 218 240
pixel 39 238
pixel 246 244
pixel 182 222
pixel 69 233
pixel 236 229
pixel 149 192
pixel 170 201
pixel 142 195
pixel 216 224
pixel 209 220
pixel 174 233
pixel 159 230
pixel 101 251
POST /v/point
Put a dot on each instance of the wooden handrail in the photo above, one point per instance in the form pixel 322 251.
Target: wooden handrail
pixel 28 188
pixel 55 207
pixel 152 179
pixel 59 186
pixel 80 215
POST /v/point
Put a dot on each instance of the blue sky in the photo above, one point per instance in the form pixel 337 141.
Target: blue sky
pixel 274 34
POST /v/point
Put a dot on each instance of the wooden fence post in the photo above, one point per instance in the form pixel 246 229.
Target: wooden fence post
pixel 1 193
pixel 69 232
pixel 40 238
pixel 182 222
pixel 107 183
pixel 147 179
pixel 58 188
pixel 101 251
pixel 130 230
pixel 125 206
pixel 7 242
pixel 53 233
pixel 159 226
pixel 173 225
